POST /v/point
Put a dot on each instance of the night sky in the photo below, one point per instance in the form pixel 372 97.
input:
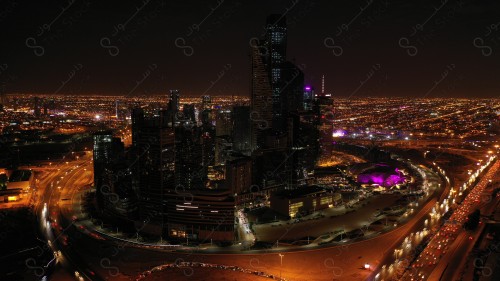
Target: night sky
pixel 365 48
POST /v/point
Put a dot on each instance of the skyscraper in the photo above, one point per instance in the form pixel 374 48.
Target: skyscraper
pixel 189 112
pixel 261 99
pixel 324 103
pixel 241 129
pixel 308 98
pixel 275 57
pixel 153 168
pixel 174 100
pixel 36 107
pixel 107 150
pixel 276 107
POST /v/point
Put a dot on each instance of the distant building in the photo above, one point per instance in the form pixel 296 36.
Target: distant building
pixel 22 179
pixel 323 105
pixel 188 111
pixel 303 201
pixel 37 107
pixel 308 98
pixel 174 101
pixel 223 132
pixel 17 186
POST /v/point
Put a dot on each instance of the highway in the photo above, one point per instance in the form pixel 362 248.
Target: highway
pixel 57 182
pixel 451 243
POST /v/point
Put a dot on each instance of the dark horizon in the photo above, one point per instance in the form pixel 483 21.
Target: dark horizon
pixel 453 54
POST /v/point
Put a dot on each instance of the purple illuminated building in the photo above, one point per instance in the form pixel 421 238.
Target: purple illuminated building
pixel 382 175
pixel 308 98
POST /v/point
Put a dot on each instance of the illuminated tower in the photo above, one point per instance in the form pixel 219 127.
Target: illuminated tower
pixel 323 84
pixel 275 51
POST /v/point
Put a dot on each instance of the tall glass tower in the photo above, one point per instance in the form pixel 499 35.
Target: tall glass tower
pixel 275 52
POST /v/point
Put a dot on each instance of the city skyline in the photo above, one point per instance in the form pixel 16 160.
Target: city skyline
pixel 250 141
pixel 451 55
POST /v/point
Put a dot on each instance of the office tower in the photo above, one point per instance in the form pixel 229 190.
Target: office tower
pixel 284 80
pixel 223 132
pixel 45 108
pixel 304 135
pixel 154 167
pixel 223 122
pixel 173 200
pixel 206 102
pixel 261 99
pixel 275 43
pixel 189 173
pixel 137 121
pixel 36 107
pixel 189 113
pixel 239 174
pixel 292 90
pixel 208 138
pixel 308 98
pixel 241 129
pixel 324 108
pixel 174 101
pixel 206 110
pixel 107 151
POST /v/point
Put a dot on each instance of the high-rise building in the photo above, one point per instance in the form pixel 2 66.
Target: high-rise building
pixel 174 101
pixel 239 174
pixel 45 108
pixel 107 150
pixel 189 173
pixel 173 200
pixel 137 121
pixel 36 107
pixel 206 102
pixel 241 129
pixel 277 106
pixel 275 58
pixel 308 98
pixel 262 102
pixel 154 167
pixel 324 104
pixel 189 112
pixel 223 133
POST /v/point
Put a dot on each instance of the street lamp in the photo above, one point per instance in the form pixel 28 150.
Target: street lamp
pixel 281 262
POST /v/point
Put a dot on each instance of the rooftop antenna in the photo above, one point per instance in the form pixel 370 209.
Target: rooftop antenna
pixel 323 84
